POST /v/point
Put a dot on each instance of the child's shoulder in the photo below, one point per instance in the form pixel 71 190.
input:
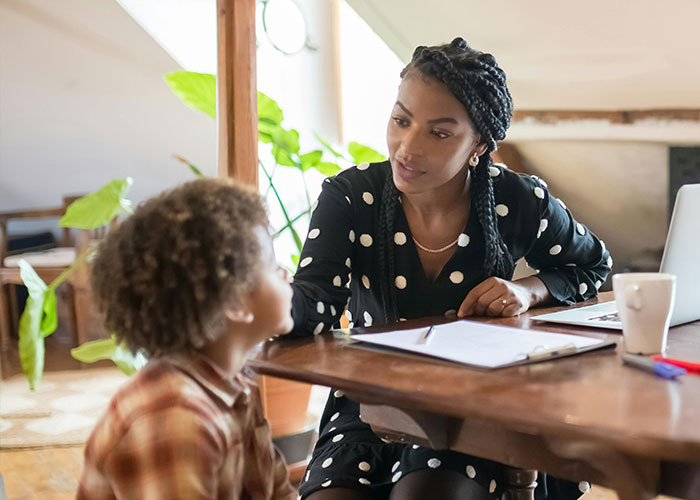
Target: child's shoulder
pixel 160 385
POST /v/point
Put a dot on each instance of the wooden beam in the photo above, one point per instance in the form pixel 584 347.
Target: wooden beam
pixel 549 117
pixel 237 111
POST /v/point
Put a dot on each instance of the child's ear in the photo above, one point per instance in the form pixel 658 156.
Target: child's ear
pixel 240 315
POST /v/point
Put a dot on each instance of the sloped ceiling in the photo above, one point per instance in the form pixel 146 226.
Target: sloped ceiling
pixel 593 55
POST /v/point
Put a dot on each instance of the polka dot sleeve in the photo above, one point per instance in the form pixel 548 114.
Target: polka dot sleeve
pixel 572 262
pixel 320 283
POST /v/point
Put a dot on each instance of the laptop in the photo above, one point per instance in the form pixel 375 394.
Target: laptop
pixel 681 257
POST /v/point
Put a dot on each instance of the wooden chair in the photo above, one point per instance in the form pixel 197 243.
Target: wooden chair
pixel 48 264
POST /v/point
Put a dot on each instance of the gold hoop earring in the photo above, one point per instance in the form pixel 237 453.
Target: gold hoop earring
pixel 474 160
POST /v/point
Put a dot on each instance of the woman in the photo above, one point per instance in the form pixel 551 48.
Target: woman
pixel 435 230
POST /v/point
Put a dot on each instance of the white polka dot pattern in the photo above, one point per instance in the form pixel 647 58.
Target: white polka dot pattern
pixel 399 238
pixel 327 463
pixel 348 262
pixel 584 486
pixel 306 261
pixel 333 311
pixel 318 329
pixel 337 437
pixel 351 236
pixel 364 466
pixel 582 288
pixel 471 472
pixel 348 200
pixel 365 281
pixel 463 240
pixel 313 234
pixel 562 204
pixel 326 484
pixel 368 319
pixel 396 477
pixel 502 210
pixel 368 198
pixel 581 230
pixel 363 166
pixel 338 394
pixel 555 250
pixel 456 277
pixel 400 282
pixel 395 466
pixel 320 308
pixel 434 463
pixel 362 480
pixel 494 171
pixel 366 240
pixel 492 486
pixel 337 281
pixel 539 192
pixel 335 416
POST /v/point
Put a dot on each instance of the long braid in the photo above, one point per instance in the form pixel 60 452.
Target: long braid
pixel 387 214
pixel 475 79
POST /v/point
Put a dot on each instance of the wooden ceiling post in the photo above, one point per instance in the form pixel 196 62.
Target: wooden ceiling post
pixel 236 91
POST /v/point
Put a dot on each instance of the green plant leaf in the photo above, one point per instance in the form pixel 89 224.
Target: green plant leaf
pixel 328 147
pixel 284 144
pixel 96 350
pixel 196 90
pixel 295 259
pixel 49 318
pixel 310 160
pixel 194 169
pixel 361 153
pixel 268 110
pixel 98 208
pixel 38 321
pixel 327 168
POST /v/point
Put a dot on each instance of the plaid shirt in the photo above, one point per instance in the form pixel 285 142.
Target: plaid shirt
pixel 181 430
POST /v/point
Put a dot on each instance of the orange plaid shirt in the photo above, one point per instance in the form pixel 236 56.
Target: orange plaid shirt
pixel 180 430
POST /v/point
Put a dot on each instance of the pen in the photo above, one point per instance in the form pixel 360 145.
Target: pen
pixel 423 339
pixel 689 366
pixel 661 369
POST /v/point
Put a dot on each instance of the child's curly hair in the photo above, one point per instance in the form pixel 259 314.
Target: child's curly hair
pixel 164 277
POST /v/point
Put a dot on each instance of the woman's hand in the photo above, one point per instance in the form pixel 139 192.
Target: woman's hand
pixel 499 297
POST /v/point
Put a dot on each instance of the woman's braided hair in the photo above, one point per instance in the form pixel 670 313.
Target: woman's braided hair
pixel 475 79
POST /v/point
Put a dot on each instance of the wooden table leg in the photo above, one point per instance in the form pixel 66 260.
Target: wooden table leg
pixel 520 484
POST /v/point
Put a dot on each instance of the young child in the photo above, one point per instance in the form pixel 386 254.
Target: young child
pixel 191 279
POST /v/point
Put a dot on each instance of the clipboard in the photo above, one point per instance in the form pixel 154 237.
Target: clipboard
pixel 484 345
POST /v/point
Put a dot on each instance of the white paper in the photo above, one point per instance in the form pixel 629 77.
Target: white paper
pixel 478 344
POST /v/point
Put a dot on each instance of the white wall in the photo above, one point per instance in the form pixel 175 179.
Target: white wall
pixel 82 101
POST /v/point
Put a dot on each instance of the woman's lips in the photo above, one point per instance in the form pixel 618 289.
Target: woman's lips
pixel 406 172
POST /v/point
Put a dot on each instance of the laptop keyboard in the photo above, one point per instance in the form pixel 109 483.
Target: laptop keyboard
pixel 614 317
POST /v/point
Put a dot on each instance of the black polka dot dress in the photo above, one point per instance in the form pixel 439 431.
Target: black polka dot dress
pixel 338 268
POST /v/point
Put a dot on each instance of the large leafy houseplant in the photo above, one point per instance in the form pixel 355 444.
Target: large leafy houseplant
pixel 197 90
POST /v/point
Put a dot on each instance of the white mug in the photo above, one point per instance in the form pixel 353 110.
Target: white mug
pixel 645 303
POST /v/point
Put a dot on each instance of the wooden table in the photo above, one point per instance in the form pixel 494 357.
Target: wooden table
pixel 585 417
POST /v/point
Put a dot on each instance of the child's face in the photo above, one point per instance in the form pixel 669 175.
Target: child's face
pixel 271 298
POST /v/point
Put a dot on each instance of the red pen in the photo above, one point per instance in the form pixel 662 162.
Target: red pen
pixel 689 366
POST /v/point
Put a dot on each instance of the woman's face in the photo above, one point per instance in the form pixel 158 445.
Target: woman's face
pixel 430 136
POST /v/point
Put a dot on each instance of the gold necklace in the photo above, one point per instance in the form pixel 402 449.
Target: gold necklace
pixel 439 250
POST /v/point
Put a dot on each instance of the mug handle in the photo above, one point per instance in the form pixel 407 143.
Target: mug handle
pixel 634 297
